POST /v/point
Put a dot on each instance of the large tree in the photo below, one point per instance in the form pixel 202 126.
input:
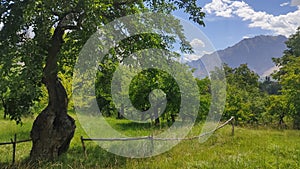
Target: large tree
pixel 40 37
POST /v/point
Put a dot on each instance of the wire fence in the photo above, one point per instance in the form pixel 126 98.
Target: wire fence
pixel 14 143
pixel 151 138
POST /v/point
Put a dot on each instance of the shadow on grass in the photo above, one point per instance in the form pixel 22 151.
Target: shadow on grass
pixel 75 158
pixel 95 157
pixel 140 126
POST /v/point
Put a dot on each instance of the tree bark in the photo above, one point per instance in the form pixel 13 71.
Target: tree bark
pixel 53 129
pixel 296 123
pixel 173 118
pixel 5 108
pixel 121 112
pixel 281 123
pixel 156 116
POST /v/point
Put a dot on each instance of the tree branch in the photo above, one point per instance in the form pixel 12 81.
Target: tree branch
pixel 118 3
pixel 55 13
pixel 70 27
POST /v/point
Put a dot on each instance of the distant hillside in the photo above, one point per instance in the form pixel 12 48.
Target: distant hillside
pixel 257 52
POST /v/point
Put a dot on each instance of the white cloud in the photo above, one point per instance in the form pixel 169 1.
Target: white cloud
pixel 284 4
pixel 199 49
pixel 219 7
pixel 280 25
pixel 197 43
pixel 194 56
pixel 191 57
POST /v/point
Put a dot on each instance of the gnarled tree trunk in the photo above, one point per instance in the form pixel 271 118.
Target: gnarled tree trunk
pixel 53 129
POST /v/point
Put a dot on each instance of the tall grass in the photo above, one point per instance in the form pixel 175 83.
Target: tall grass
pixel 249 148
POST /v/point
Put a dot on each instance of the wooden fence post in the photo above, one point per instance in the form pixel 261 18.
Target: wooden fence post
pixel 83 146
pixel 152 143
pixel 14 143
pixel 232 125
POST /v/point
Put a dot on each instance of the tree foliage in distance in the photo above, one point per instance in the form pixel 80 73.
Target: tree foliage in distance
pixel 205 98
pixel 269 86
pixel 277 110
pixel 152 79
pixel 289 76
pixel 244 100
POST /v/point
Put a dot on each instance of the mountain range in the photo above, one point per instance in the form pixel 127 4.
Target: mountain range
pixel 256 52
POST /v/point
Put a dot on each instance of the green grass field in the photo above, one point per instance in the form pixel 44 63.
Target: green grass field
pixel 249 148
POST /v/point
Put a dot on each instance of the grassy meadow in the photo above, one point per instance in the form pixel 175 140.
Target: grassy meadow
pixel 248 148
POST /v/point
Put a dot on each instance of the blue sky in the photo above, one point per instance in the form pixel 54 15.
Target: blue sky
pixel 229 21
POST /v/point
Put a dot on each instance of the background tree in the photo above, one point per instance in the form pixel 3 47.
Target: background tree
pixel 152 79
pixel 277 109
pixel 289 76
pixel 205 98
pixel 57 31
pixel 270 86
pixel 244 100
